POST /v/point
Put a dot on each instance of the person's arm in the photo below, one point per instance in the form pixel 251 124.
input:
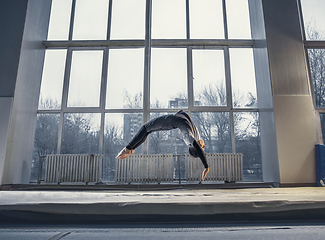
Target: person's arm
pixel 201 154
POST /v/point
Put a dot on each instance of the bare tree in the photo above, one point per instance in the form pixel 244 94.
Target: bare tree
pixel 317 68
pixel 317 64
pixel 134 101
pixel 214 127
pixel 77 134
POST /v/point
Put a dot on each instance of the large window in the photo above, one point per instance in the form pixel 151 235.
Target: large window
pixel 112 65
pixel 314 31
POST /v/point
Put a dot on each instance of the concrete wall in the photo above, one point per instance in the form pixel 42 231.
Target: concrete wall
pixel 26 23
pixel 293 107
pixel 11 26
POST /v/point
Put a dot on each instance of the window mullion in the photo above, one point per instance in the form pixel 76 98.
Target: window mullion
pixel 229 97
pixel 232 131
pixel 64 96
pixel 188 19
pixel 228 78
pixel 146 76
pixel 66 79
pixel 109 23
pixel 73 7
pixel 103 100
pixel 225 24
pixel 190 96
pixel 190 91
pixel 60 132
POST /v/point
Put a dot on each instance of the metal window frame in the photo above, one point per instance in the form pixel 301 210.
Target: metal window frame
pixel 147 44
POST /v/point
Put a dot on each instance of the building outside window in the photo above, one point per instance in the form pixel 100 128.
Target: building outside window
pixel 112 65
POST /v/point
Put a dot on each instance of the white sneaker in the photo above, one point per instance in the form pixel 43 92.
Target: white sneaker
pixel 322 182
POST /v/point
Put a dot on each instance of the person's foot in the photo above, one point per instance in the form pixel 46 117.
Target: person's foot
pixel 205 172
pixel 322 182
pixel 124 153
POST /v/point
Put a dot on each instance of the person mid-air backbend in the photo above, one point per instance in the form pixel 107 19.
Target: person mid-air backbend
pixel 179 120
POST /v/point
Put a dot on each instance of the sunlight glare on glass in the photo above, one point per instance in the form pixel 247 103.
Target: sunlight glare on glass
pixel 128 19
pixel 168 76
pixel 52 79
pixel 85 78
pixel 59 20
pixel 168 19
pixel 90 21
pixel 209 78
pixel 238 19
pixel 206 19
pixel 243 77
pixel 125 78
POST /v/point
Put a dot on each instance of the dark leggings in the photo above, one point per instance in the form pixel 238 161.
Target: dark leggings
pixel 138 139
pixel 142 135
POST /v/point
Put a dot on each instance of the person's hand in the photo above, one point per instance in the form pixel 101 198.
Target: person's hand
pixel 205 172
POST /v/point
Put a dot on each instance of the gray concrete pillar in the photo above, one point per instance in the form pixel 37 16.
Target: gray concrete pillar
pixel 293 106
pixel 23 25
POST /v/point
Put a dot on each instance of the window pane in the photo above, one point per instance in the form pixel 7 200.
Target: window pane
pixel 238 19
pixel 46 139
pixel 85 79
pixel 170 141
pixel 168 77
pixel 168 19
pixel 59 20
pixel 206 19
pixel 314 19
pixel 248 142
pixel 119 130
pixel 128 19
pixel 214 129
pixel 209 78
pixel 90 21
pixel 81 133
pixel 52 79
pixel 46 136
pixel 317 64
pixel 243 77
pixel 125 78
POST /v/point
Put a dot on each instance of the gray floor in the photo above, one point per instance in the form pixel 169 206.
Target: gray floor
pixel 295 231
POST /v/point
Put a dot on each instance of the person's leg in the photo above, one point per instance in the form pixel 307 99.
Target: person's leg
pixel 138 139
pixel 157 124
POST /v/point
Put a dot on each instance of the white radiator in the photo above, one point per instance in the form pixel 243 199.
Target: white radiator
pixel 73 168
pixel 226 167
pixel 145 168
